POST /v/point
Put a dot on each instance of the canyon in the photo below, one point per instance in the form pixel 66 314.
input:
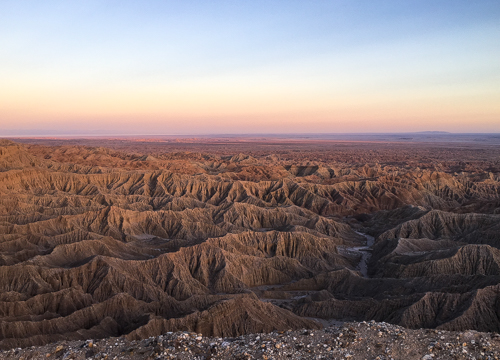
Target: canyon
pixel 227 237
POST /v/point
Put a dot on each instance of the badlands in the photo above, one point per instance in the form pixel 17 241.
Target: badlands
pixel 135 238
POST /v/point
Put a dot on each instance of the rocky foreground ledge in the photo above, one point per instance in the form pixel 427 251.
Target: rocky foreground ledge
pixel 364 340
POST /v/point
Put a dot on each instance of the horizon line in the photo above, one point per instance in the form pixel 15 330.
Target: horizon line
pixel 246 134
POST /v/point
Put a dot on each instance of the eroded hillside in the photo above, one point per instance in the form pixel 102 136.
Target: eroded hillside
pixel 98 242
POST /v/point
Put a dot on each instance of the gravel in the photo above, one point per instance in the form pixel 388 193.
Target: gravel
pixel 356 340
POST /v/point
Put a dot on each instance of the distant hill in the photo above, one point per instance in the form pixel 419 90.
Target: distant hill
pixel 432 132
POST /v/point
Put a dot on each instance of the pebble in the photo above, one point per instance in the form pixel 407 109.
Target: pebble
pixel 365 340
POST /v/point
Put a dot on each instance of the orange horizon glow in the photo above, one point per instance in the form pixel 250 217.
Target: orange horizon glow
pixel 368 74
pixel 251 112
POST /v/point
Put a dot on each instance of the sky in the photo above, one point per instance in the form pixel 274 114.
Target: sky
pixel 235 67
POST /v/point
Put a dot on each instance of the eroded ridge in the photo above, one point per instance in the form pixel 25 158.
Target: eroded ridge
pixel 99 242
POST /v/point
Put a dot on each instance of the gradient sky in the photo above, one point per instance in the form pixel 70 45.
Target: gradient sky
pixel 213 67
